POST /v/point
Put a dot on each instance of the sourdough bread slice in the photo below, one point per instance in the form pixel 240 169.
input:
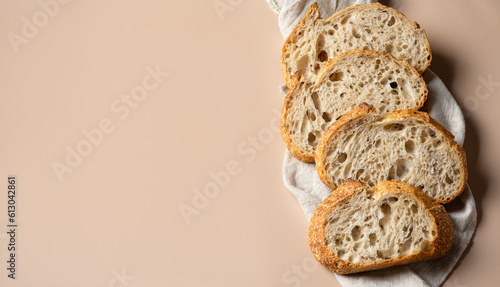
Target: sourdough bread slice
pixel 348 80
pixel 359 228
pixel 364 27
pixel 403 145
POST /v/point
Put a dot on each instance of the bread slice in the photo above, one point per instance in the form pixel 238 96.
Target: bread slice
pixel 364 27
pixel 359 228
pixel 403 145
pixel 348 80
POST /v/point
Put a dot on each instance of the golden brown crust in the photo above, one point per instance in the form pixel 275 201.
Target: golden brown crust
pixel 317 238
pixel 314 9
pixel 364 109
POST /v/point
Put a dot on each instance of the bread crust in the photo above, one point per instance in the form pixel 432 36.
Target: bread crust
pixel 314 12
pixel 441 243
pixel 364 109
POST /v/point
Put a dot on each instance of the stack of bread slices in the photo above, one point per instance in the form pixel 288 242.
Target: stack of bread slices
pixel 355 88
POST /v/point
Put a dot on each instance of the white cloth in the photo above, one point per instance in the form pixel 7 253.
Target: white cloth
pixel 303 182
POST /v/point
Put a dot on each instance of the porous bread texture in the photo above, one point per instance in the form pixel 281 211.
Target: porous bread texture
pixel 348 80
pixel 359 228
pixel 403 145
pixel 363 27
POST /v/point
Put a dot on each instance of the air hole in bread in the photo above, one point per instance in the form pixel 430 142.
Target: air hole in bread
pixel 346 18
pixel 355 248
pixel 326 117
pixel 348 138
pixel 393 199
pixel 386 208
pixel 303 63
pixel 426 232
pixel 317 68
pixel 423 136
pixel 448 180
pixel 405 246
pixel 378 142
pixel 347 170
pixel 414 208
pixel 327 165
pixel 394 85
pixel 336 76
pixel 402 168
pixel 322 56
pixel 410 146
pixel 385 254
pixel 373 239
pixel 356 232
pixel 389 48
pixel 355 33
pixel 359 173
pixel 331 32
pixel 353 258
pixel 342 157
pixel 316 101
pixel 312 116
pixel 432 133
pixel 311 138
pixel 436 143
pixel 392 173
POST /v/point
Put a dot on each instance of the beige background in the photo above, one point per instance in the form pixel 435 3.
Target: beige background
pixel 114 220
